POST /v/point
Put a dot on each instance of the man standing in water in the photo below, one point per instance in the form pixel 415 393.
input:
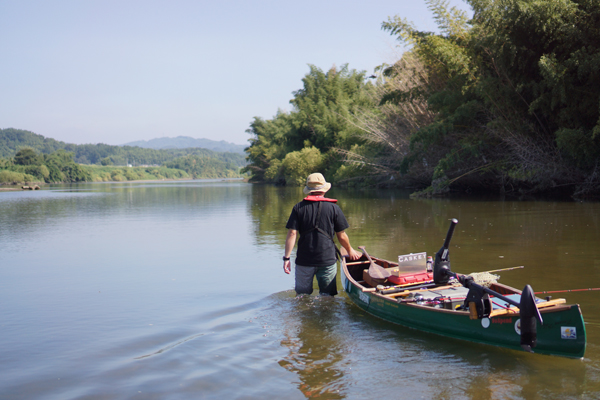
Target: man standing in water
pixel 317 219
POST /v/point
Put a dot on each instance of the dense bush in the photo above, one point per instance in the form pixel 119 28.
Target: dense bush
pixel 12 177
pixel 506 101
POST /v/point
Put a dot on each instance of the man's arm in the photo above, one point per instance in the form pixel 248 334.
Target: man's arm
pixel 345 242
pixel 290 242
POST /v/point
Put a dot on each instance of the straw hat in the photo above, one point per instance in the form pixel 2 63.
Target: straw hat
pixel 316 183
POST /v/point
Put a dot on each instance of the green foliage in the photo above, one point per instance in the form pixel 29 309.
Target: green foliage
pixel 579 146
pixel 515 89
pixel 56 164
pixel 13 140
pixel 60 167
pixel 297 165
pixel 27 156
pixel 275 172
pixel 205 167
pixel 324 105
pixel 61 164
pixel 285 149
pixel 268 146
pixel 41 172
pixel 12 177
pixel 121 174
pixel 55 167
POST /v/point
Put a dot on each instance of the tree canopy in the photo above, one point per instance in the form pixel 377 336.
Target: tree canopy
pixel 313 136
pixel 513 95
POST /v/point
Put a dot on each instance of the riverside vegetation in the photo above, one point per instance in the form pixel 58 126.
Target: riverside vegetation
pixel 508 101
pixel 39 159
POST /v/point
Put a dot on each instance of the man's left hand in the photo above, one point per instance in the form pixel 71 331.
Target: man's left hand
pixel 354 255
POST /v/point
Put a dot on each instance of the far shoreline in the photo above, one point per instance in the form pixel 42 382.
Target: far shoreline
pixel 19 187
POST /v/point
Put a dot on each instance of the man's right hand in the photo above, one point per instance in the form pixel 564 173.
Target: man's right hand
pixel 287 267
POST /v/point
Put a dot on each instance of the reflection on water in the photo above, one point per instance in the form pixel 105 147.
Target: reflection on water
pixel 337 351
pixel 316 354
pixel 175 290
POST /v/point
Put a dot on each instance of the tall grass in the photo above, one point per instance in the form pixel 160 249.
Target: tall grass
pixel 15 178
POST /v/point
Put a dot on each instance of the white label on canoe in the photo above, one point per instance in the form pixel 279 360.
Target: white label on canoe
pixel 485 322
pixel 568 332
pixel 363 297
pixel 518 327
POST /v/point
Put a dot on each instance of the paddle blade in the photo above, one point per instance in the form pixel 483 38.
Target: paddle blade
pixel 529 317
pixel 378 272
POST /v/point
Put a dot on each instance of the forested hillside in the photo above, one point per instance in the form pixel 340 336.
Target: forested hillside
pixel 508 101
pixel 11 140
pixel 28 157
pixel 28 166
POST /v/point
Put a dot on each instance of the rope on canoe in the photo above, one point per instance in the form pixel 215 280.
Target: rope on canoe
pixel 484 278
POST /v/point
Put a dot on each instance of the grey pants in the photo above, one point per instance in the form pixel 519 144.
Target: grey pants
pixel 325 278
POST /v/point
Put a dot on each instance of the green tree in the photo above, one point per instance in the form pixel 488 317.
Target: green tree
pixel 297 165
pixel 269 145
pixel 324 106
pixel 322 119
pixel 39 171
pixel 514 93
pixel 205 167
pixel 27 156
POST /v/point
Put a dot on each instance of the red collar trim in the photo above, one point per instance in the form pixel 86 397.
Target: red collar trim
pixel 319 198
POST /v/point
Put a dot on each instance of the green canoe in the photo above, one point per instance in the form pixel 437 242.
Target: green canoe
pixel 548 326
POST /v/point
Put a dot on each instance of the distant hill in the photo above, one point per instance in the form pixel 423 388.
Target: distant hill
pixel 11 140
pixel 184 142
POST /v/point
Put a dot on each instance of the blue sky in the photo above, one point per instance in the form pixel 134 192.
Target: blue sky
pixel 115 71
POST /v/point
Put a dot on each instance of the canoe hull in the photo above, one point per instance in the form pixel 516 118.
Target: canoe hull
pixel 562 333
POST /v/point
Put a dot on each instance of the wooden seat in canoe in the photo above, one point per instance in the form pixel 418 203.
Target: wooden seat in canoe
pixel 373 282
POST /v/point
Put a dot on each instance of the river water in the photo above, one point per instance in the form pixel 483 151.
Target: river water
pixel 174 290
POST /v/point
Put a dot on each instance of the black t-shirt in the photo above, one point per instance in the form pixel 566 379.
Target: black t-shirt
pixel 314 248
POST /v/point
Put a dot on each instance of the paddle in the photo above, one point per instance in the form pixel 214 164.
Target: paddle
pixel 375 271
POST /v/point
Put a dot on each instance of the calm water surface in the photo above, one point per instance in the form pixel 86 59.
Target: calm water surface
pixel 175 291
